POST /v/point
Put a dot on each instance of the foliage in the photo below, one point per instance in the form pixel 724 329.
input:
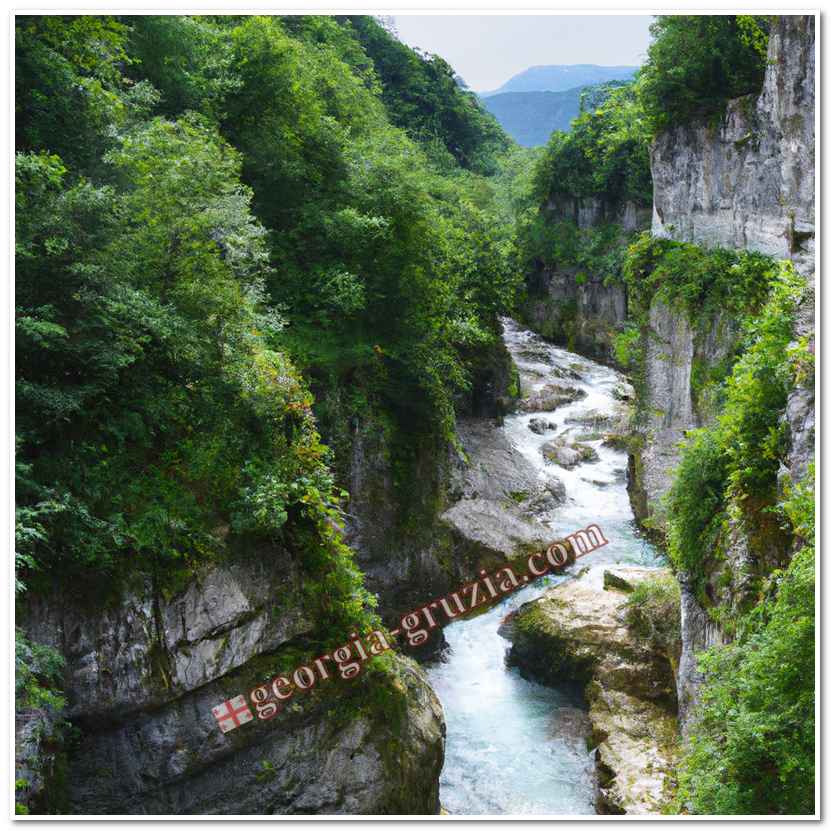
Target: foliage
pixel 597 251
pixel 186 58
pixel 228 192
pixel 38 675
pixel 732 466
pixel 701 280
pixel 696 509
pixel 752 746
pixel 653 612
pixel 627 346
pixel 605 155
pixel 68 84
pixel 696 63
pixel 422 95
pixel 757 392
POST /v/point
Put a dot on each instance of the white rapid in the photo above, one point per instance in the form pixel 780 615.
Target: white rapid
pixel 515 747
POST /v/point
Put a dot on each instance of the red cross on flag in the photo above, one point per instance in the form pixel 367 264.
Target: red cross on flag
pixel 231 714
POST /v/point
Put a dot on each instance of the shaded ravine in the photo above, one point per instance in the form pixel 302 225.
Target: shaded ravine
pixel 515 746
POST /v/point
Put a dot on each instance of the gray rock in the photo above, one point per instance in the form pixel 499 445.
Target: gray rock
pixel 551 396
pixel 667 409
pixel 492 532
pixel 748 183
pixel 568 454
pixel 552 496
pixel 144 672
pixel 541 425
pixel 494 468
pixel 328 755
pixel 400 567
pixel 148 648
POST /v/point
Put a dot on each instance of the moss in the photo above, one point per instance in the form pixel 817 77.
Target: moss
pixel 540 649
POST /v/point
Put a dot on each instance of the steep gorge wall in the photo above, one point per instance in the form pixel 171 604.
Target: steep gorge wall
pixel 747 183
pixel 143 673
pixel 573 307
pixel 402 482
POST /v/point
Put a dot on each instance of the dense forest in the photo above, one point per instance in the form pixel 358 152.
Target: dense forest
pixel 237 236
pixel 203 205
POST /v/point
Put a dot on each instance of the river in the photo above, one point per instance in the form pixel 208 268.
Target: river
pixel 515 747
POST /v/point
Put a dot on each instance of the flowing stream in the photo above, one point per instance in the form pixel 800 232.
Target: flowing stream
pixel 514 746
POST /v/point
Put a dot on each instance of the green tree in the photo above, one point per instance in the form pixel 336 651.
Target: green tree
pixel 696 63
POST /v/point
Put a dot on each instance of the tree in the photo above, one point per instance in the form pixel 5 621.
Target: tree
pixel 696 63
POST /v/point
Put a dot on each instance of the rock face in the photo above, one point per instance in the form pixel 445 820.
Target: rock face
pixel 668 404
pixel 580 312
pixel 576 632
pixel 403 550
pixel 143 674
pixel 398 495
pixel 749 183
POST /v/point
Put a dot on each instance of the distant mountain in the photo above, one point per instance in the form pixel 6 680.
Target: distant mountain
pixel 559 78
pixel 529 118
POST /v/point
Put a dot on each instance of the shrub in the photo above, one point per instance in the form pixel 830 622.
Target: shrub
pixel 653 612
pixel 752 746
pixel 700 280
pixel 695 503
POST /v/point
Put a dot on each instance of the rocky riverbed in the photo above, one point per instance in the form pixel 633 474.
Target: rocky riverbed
pixel 577 632
pixel 551 467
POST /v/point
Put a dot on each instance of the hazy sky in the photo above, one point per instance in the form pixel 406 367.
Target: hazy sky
pixel 486 50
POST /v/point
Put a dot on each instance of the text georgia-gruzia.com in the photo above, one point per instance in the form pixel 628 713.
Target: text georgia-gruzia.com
pixel 347 660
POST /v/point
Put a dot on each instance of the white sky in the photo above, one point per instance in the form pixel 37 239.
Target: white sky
pixel 486 50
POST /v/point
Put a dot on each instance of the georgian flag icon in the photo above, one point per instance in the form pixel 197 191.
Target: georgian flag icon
pixel 231 714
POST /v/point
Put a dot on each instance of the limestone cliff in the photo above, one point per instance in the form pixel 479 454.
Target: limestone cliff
pixel 746 183
pixel 143 673
pixel 571 307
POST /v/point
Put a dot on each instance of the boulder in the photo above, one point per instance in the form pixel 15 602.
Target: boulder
pixel 499 497
pixel 551 396
pixel 576 632
pixel 568 454
pixel 489 533
pixel 540 425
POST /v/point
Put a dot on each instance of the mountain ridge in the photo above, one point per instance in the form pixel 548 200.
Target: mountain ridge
pixel 561 77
